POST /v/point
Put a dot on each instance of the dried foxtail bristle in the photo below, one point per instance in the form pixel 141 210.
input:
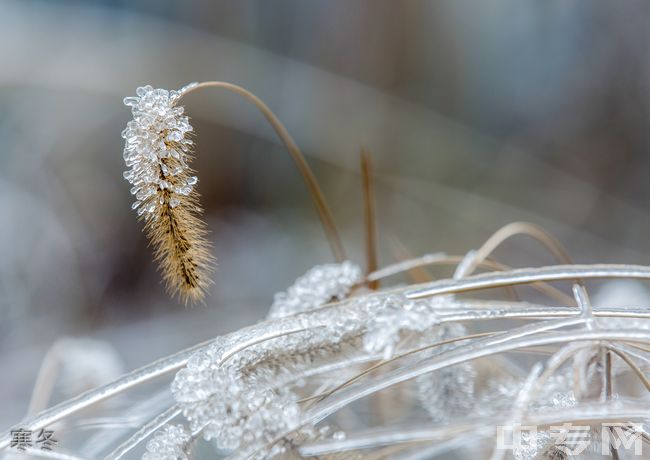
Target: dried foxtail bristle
pixel 158 151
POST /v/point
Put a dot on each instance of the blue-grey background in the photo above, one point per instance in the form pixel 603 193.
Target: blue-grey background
pixel 476 113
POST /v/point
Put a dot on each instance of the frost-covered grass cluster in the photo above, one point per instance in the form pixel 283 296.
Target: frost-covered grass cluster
pixel 409 363
pixel 393 371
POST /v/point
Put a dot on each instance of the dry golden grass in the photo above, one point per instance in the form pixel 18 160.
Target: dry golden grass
pixel 178 236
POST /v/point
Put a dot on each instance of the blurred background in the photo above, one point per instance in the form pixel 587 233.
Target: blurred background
pixel 476 114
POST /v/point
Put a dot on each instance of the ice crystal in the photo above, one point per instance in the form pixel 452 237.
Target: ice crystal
pixel 315 288
pixel 400 314
pixel 171 443
pixel 156 150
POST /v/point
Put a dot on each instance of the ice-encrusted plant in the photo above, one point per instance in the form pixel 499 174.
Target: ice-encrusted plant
pixel 157 152
pixel 342 367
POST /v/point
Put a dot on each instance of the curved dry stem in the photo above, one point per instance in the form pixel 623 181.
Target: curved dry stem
pixel 630 362
pixel 632 350
pixel 312 184
pixel 370 224
pixel 418 274
pixel 519 228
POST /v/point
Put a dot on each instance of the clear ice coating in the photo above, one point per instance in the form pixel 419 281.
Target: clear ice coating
pixel 156 147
